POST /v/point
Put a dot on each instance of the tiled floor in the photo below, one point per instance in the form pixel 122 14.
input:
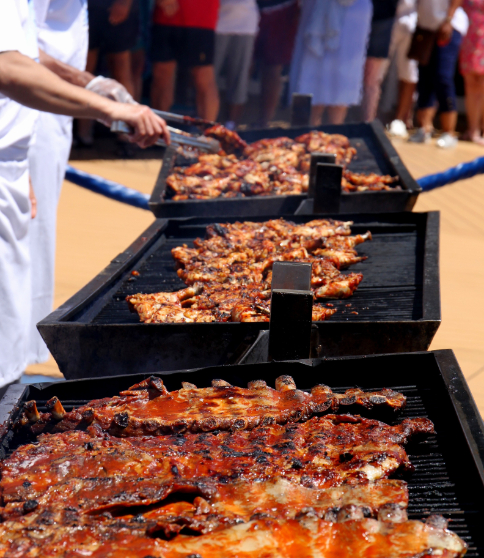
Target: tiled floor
pixel 92 230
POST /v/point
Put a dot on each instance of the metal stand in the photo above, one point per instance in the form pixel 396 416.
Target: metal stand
pixel 291 311
pixel 301 109
pixel 327 194
pixel 324 190
pixel 316 158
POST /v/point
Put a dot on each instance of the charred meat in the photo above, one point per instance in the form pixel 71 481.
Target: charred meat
pixel 149 409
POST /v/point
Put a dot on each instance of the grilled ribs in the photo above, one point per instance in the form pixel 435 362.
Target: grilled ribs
pixel 205 505
pixel 64 533
pixel 278 166
pixel 322 452
pixel 148 408
pixel 230 271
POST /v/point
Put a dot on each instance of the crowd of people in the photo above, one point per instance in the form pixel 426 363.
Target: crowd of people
pixel 338 51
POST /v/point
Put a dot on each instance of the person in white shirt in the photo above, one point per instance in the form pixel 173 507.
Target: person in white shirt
pixel 25 83
pixel 234 46
pixel 62 35
pixel 436 79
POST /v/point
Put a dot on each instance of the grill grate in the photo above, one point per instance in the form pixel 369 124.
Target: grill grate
pixel 391 288
pixel 432 488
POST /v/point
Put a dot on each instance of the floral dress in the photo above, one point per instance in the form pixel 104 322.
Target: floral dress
pixel 472 51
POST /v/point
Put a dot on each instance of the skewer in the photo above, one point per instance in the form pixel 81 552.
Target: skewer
pixel 178 137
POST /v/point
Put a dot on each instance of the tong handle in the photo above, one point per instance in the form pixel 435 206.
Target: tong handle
pixel 206 144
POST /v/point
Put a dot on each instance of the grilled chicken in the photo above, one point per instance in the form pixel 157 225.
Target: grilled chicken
pixel 230 141
pixel 230 271
pixel 51 533
pixel 148 408
pixel 277 166
pixel 323 452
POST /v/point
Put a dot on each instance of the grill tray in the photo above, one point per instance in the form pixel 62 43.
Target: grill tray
pixel 375 154
pixel 398 304
pixel 449 475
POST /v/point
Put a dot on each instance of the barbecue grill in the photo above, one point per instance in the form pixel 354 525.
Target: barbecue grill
pixel 375 154
pixel 449 469
pixel 395 309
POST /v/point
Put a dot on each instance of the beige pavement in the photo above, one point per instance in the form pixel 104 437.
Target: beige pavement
pixel 92 230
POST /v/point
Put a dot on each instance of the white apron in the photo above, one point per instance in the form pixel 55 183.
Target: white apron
pixel 17 33
pixel 63 34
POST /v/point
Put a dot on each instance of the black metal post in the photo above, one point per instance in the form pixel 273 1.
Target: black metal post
pixel 291 311
pixel 301 109
pixel 316 158
pixel 327 194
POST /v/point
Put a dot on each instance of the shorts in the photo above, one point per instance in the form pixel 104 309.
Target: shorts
pixel 112 38
pixel 277 33
pixel 233 56
pixel 399 46
pixel 188 46
pixel 380 37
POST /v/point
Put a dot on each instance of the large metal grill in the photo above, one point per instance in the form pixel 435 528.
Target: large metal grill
pixel 396 308
pixel 375 154
pixel 449 473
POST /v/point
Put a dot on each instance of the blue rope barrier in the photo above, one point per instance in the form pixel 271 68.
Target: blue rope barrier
pixel 460 172
pixel 107 188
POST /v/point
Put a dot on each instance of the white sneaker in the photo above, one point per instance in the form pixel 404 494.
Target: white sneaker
pixel 420 136
pixel 447 141
pixel 397 129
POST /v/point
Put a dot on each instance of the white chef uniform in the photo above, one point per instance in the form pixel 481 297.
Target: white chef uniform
pixel 62 27
pixel 17 33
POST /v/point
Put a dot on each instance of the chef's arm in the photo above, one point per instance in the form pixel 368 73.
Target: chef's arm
pixel 64 71
pixel 33 85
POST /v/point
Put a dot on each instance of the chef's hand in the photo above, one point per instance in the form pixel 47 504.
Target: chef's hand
pixel 169 7
pixel 33 200
pixel 119 11
pixel 110 88
pixel 444 34
pixel 147 126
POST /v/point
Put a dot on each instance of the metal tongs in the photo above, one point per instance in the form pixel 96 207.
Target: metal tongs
pixel 183 119
pixel 178 137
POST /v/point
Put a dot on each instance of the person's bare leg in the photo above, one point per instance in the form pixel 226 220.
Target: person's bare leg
pixel 163 85
pixel 235 113
pixel 406 92
pixel 474 99
pixel 425 118
pixel 120 69
pixel 84 126
pixel 375 69
pixel 448 121
pixel 137 68
pixel 337 114
pixel 271 89
pixel 317 112
pixel 207 99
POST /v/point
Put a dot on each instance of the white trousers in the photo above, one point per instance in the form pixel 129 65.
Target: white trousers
pixel 15 280
pixel 48 158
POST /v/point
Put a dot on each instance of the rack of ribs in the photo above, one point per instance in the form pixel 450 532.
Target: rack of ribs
pixel 62 532
pixel 321 453
pixel 229 273
pixel 148 408
pixel 205 505
pixel 278 166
